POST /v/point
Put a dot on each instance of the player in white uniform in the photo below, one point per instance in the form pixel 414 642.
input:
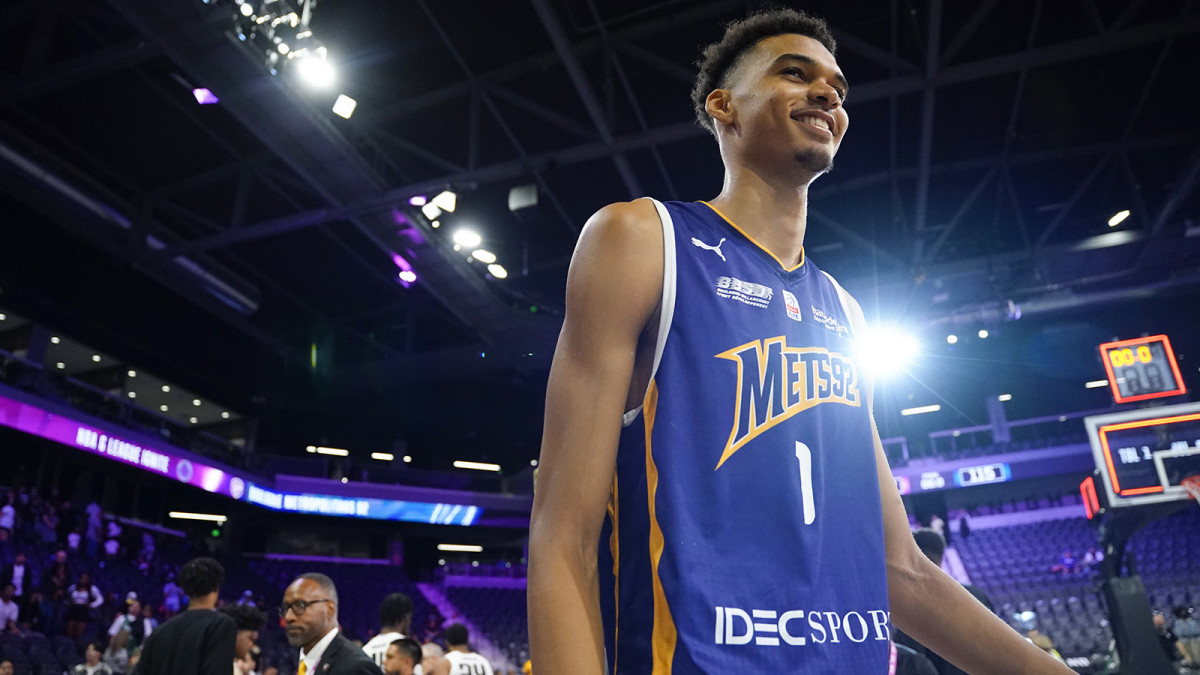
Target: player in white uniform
pixel 395 619
pixel 459 659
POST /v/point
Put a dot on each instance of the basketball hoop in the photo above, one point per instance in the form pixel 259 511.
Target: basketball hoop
pixel 1192 485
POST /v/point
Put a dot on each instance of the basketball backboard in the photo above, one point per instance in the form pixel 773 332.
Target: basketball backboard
pixel 1144 455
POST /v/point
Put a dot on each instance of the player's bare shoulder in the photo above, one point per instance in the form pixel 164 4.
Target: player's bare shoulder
pixel 621 250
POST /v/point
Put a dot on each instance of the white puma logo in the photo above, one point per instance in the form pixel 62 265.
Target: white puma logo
pixel 715 249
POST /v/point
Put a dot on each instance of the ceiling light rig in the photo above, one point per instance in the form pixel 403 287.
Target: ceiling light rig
pixel 279 30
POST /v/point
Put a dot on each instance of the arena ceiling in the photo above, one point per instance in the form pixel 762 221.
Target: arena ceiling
pixel 247 249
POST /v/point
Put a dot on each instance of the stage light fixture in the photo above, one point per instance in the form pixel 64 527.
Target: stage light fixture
pixel 408 276
pixel 310 449
pixel 478 466
pixel 196 402
pixel 383 456
pixel 209 517
pixel 1118 218
pixel 193 420
pixel 1005 397
pixel 483 256
pixel 166 388
pixel 205 96
pixel 60 365
pixel 316 71
pixel 336 452
pixel 1096 384
pixel 408 459
pixel 95 358
pixel 344 106
pixel 446 201
pixel 952 339
pixel 163 407
pixel 417 200
pixel 132 373
pixel 919 410
pixel 533 462
pixel 497 271
pixel 54 340
pixel 460 548
pixel 431 211
pixel 225 415
pixel 133 394
pixel 3 317
pixel 888 350
pixel 983 334
pixel 467 238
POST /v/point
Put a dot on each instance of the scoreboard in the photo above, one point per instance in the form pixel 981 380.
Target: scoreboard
pixel 1141 369
pixel 1144 455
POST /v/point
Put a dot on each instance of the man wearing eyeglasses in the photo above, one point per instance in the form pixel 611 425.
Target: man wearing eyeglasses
pixel 309 613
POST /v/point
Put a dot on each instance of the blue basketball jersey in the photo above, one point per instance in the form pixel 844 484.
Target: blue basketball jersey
pixel 744 532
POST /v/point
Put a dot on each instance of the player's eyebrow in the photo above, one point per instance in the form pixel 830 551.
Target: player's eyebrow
pixel 808 60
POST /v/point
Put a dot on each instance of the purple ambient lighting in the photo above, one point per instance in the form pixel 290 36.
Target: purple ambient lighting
pixel 407 275
pixel 418 200
pixel 204 96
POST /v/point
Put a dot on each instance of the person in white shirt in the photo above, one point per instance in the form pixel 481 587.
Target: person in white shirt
pixel 460 660
pixel 82 598
pixel 9 611
pixel 395 619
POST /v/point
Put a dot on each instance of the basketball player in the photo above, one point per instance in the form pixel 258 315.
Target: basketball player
pixel 706 397
pixel 403 657
pixel 395 620
pixel 459 659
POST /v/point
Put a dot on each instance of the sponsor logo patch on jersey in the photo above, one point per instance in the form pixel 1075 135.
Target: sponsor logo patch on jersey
pixel 755 295
pixel 829 322
pixel 792 306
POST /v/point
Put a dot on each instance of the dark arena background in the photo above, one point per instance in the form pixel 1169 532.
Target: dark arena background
pixel 297 269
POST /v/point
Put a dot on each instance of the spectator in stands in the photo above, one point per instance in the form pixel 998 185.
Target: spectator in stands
pixel 1187 629
pixel 247 598
pixel 54 592
pixel 95 528
pixel 47 525
pixel 133 621
pixel 92 665
pixel 74 540
pixel 249 621
pixel 403 657
pixel 20 576
pixel 8 517
pixel 395 619
pixel 6 667
pixel 1091 559
pixel 1066 563
pixel 10 613
pixel 198 641
pixel 934 548
pixel 460 660
pixel 431 655
pixel 964 525
pixel 172 597
pixel 309 612
pixel 83 597
pixel 1168 640
pixel 116 656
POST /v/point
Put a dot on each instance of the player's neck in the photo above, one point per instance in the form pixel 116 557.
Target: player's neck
pixel 775 214
pixel 463 649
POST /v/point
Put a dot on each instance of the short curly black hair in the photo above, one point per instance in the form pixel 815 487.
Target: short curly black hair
pixel 720 58
pixel 201 576
pixel 247 617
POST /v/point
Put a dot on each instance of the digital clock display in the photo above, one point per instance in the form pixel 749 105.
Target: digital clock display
pixel 982 475
pixel 1141 369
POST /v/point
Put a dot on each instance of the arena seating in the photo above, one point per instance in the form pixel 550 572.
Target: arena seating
pixel 500 613
pixel 1012 565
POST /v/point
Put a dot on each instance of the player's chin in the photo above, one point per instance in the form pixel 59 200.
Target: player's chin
pixel 815 159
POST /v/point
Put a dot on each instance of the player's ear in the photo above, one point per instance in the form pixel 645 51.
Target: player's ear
pixel 719 106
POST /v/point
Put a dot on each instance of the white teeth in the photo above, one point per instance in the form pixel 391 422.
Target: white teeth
pixel 815 121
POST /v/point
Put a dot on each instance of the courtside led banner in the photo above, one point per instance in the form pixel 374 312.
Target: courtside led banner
pixel 171 463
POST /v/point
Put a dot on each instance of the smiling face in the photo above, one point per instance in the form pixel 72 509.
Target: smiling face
pixel 782 107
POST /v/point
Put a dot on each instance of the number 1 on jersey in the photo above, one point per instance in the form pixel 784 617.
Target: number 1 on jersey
pixel 804 456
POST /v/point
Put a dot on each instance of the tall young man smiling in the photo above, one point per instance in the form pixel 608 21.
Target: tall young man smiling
pixel 706 397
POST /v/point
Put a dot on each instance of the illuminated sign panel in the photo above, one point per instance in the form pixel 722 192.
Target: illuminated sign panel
pixel 1141 369
pixel 170 464
pixel 982 475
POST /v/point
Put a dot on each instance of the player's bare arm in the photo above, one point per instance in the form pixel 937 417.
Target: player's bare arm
pixel 613 289
pixel 929 605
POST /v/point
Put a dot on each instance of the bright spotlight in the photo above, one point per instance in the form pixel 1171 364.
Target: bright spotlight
pixel 467 238
pixel 205 96
pixel 344 106
pixel 418 200
pixel 431 210
pixel 887 350
pixel 316 71
pixel 983 333
pixel 497 271
pixel 246 9
pixel 446 201
pixel 1118 218
pixel 952 339
pixel 408 276
pixel 484 256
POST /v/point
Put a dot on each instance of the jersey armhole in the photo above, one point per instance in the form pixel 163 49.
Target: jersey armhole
pixel 668 299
